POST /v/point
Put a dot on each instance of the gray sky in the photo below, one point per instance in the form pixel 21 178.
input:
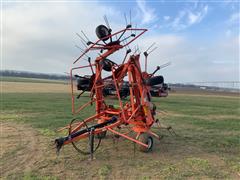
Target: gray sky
pixel 201 40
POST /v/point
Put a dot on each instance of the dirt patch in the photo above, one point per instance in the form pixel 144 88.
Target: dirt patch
pixel 24 150
pixel 27 153
pixel 25 87
pixel 19 148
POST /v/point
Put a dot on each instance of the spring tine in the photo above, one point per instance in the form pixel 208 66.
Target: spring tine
pixel 150 46
pixel 85 35
pixel 79 48
pixel 138 49
pixel 165 65
pixel 82 51
pixel 135 49
pixel 130 18
pixel 116 36
pixel 81 38
pixel 174 132
pixel 124 45
pixel 125 18
pixel 152 50
pixel 106 21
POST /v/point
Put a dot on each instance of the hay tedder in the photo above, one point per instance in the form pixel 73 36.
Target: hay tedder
pixel 137 112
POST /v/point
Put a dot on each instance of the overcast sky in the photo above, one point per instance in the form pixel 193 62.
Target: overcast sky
pixel 201 39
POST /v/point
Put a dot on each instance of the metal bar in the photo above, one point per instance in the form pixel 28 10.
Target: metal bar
pixel 118 94
pixel 99 47
pixel 154 135
pixel 85 121
pixel 72 93
pixel 97 131
pixel 83 106
pixel 91 142
pixel 145 63
pixel 127 137
pixel 135 37
pixel 133 114
pixel 71 81
pixel 131 87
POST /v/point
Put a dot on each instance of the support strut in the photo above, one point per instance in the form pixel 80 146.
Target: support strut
pixel 91 142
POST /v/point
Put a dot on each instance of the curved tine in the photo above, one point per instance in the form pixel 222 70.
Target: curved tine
pixel 85 59
pixel 130 18
pixel 150 46
pixel 138 49
pixel 125 38
pixel 82 40
pixel 82 51
pixel 126 43
pixel 106 21
pixel 79 48
pixel 130 14
pixel 125 18
pixel 152 50
pixel 85 35
pixel 81 37
pixel 165 65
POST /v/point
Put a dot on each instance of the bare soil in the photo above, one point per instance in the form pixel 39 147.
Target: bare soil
pixel 24 150
pixel 20 148
pixel 25 87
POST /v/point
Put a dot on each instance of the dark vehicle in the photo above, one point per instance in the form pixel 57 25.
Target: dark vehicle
pixel 85 83
pixel 110 89
pixel 160 90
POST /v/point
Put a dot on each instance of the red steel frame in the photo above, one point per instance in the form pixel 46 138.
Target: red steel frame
pixel 138 113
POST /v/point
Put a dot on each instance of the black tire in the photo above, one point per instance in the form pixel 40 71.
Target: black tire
pixel 107 65
pixel 83 81
pixel 83 84
pixel 104 92
pixel 124 94
pixel 77 145
pixel 146 139
pixel 155 80
pixel 165 86
pixel 102 135
pixel 102 32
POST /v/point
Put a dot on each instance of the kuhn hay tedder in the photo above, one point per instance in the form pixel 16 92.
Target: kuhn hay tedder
pixel 136 112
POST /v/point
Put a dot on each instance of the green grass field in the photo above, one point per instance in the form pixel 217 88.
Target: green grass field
pixel 207 145
pixel 30 80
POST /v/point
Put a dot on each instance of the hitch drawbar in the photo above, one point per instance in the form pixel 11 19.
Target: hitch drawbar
pixel 60 141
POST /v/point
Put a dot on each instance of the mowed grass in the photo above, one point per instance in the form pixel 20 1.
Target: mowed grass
pixel 207 145
pixel 30 80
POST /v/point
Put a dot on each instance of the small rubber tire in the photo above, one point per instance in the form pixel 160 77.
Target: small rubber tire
pixel 146 139
pixel 102 135
pixel 107 65
pixel 83 81
pixel 105 92
pixel 155 80
pixel 124 94
pixel 102 32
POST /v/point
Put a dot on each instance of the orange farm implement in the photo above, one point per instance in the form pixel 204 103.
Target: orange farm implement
pixel 136 112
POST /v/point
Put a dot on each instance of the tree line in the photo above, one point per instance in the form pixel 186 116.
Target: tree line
pixel 27 74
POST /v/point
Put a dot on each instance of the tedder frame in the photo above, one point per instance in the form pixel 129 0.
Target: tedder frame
pixel 138 112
